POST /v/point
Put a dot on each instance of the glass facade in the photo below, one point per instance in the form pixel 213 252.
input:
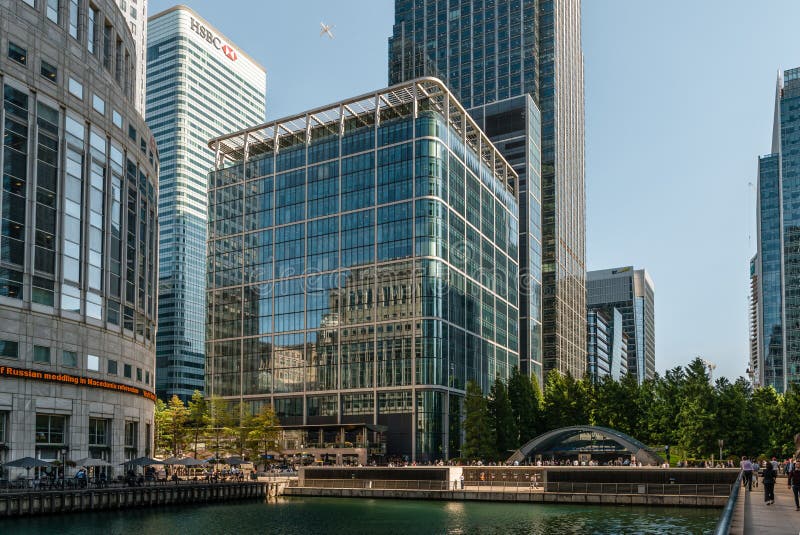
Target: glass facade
pixel 606 345
pixel 632 294
pixel 179 61
pixel 490 52
pixel 363 268
pixel 776 263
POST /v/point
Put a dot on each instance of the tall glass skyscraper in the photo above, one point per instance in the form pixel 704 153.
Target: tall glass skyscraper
pixel 631 292
pixel 199 85
pixel 362 269
pixel 777 265
pixel 489 52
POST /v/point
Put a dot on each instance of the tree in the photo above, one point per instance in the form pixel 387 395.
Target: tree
pixel 198 418
pixel 696 420
pixel 178 415
pixel 163 427
pixel 221 420
pixel 523 392
pixel 786 423
pixel 733 422
pixel 765 409
pixel 662 416
pixel 479 442
pixel 262 432
pixel 567 402
pixel 501 420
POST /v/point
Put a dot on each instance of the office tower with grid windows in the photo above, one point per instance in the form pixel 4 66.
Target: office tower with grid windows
pixel 490 53
pixel 363 268
pixel 77 241
pixel 199 85
pixel 135 13
pixel 630 291
pixel 777 261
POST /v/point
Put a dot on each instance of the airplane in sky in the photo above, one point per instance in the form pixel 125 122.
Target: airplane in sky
pixel 326 29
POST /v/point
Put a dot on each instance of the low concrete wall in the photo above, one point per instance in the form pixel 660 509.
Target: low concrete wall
pixel 521 497
pixel 70 501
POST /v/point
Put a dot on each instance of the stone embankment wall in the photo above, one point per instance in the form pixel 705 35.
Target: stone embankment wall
pixel 72 501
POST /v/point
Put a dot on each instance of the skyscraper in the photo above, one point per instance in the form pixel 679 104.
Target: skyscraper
pixel 363 268
pixel 135 12
pixel 490 52
pixel 77 241
pixel 199 85
pixel 632 293
pixel 777 263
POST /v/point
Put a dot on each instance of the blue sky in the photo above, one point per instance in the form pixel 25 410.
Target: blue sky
pixel 679 100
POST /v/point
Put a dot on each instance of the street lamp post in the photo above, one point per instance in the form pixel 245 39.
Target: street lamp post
pixel 720 442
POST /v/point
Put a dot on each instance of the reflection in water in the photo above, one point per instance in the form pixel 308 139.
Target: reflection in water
pixel 331 516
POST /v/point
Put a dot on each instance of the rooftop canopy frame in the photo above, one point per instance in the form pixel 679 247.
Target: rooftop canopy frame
pixel 402 100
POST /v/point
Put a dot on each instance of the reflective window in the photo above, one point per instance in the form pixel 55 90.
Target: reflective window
pixel 41 354
pixel 69 358
pixel 93 363
pixel 17 53
pixel 75 87
pixel 9 349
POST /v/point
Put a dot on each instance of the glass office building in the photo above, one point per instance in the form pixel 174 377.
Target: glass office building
pixel 491 52
pixel 606 345
pixel 777 264
pixel 630 291
pixel 363 267
pixel 184 110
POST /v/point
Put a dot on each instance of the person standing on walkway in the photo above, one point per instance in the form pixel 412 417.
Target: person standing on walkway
pixel 794 483
pixel 747 471
pixel 768 480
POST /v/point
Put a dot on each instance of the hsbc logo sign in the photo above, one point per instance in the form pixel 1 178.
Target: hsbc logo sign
pixel 230 52
pixel 213 40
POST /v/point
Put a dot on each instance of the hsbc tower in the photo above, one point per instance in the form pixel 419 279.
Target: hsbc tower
pixel 199 86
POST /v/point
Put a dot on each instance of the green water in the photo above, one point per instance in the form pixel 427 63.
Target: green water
pixel 344 516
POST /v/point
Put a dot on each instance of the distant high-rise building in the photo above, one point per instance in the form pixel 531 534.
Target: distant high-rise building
pixel 606 344
pixel 777 263
pixel 490 54
pixel 752 367
pixel 199 85
pixel 135 12
pixel 632 293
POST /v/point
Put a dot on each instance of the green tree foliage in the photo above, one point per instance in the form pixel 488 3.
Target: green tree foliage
pixel 502 421
pixel 175 418
pixel 198 419
pixel 479 442
pixel 681 409
pixel 526 405
pixel 262 432
pixel 567 401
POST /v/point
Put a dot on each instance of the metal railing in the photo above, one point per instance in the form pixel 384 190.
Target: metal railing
pixel 673 489
pixel 724 524
pixel 383 484
pixel 667 489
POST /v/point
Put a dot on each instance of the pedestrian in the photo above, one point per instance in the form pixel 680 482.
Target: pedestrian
pixel 794 483
pixel 769 483
pixel 747 472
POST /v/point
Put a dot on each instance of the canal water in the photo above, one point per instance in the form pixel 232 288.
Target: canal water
pixel 345 516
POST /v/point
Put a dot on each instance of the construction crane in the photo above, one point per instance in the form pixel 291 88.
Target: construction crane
pixel 711 367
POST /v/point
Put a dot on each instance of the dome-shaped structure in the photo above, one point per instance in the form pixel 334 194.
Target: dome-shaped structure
pixel 599 443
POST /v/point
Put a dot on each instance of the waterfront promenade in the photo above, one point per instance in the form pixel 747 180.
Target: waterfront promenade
pixel 753 517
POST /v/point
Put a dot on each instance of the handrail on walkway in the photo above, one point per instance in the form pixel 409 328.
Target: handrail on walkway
pixel 724 523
